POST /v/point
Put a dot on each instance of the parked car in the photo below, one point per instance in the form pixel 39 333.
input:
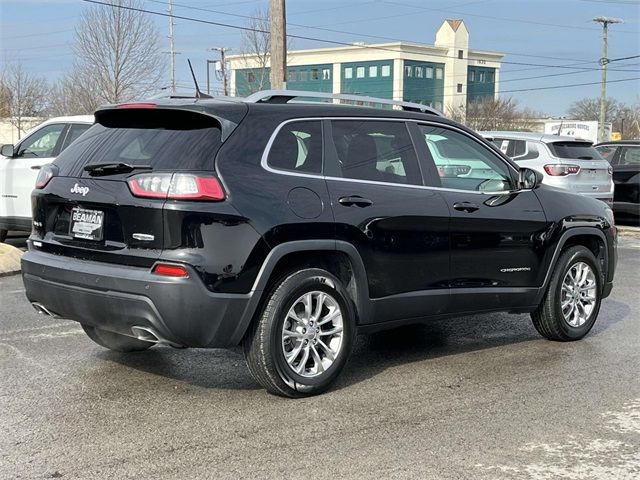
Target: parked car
pixel 565 162
pixel 282 228
pixel 19 166
pixel 624 157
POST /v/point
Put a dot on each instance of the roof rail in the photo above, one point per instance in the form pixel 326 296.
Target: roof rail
pixel 284 96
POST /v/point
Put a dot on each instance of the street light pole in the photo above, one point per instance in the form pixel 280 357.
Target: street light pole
pixel 604 21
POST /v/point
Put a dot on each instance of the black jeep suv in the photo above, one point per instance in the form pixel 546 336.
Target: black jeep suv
pixel 286 227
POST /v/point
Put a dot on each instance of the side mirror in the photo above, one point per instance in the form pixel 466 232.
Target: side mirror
pixel 7 151
pixel 529 179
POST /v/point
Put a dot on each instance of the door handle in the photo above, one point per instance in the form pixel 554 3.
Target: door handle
pixel 465 206
pixel 36 167
pixel 355 200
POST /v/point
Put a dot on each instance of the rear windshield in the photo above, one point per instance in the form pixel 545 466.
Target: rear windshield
pixel 575 150
pixel 164 139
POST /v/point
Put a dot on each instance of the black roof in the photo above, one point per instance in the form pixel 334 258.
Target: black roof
pixel 619 142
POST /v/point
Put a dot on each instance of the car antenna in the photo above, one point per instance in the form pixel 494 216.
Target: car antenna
pixel 559 128
pixel 199 94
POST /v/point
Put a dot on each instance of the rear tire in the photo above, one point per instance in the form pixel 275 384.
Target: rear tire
pixel 3 235
pixel 115 341
pixel 572 301
pixel 301 339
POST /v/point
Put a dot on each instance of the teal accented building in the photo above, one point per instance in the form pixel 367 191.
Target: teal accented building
pixel 445 75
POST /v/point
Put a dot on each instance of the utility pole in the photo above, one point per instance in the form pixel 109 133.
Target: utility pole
pixel 172 47
pixel 223 69
pixel 278 33
pixel 604 21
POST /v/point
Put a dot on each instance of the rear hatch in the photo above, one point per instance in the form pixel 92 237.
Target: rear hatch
pixel 594 173
pixel 105 199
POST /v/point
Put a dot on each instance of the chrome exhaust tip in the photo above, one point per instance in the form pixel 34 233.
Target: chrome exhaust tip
pixel 43 310
pixel 148 334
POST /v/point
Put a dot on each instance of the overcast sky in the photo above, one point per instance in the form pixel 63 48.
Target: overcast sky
pixel 551 34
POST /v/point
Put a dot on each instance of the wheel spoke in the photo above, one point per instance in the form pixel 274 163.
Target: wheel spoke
pixel 307 302
pixel 293 315
pixel 303 361
pixel 317 360
pixel 319 304
pixel 294 353
pixel 333 331
pixel 332 315
pixel 289 334
pixel 327 351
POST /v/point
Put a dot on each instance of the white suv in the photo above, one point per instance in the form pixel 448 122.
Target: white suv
pixel 566 162
pixel 19 167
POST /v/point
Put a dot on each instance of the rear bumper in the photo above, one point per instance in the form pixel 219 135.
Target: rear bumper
pixel 117 298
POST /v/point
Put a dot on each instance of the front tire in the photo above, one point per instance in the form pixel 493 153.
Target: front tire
pixel 303 336
pixel 115 341
pixel 572 301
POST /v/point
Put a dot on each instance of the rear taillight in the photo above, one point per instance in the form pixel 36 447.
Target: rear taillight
pixel 46 173
pixel 559 170
pixel 176 186
pixel 170 270
pixel 136 105
pixel 610 170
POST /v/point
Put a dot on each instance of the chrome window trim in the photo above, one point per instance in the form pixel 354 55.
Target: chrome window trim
pixel 267 149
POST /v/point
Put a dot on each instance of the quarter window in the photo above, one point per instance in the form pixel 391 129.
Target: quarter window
pixel 298 147
pixel 376 150
pixel 462 163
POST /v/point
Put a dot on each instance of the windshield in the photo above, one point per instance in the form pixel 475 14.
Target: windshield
pixel 575 150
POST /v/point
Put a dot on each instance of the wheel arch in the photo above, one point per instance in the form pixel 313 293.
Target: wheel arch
pixel 338 257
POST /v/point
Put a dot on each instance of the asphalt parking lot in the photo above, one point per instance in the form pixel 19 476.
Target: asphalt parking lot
pixel 481 397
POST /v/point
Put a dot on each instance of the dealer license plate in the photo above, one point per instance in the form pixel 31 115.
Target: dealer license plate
pixel 86 224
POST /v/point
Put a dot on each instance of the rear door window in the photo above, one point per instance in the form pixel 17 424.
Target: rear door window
pixel 164 139
pixel 630 156
pixel 608 152
pixel 376 150
pixel 574 150
pixel 75 130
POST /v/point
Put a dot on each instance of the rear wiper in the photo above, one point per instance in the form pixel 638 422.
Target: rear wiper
pixel 96 169
pixel 585 158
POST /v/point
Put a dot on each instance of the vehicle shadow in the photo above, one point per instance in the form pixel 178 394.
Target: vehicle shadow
pixel 372 354
pixel 17 239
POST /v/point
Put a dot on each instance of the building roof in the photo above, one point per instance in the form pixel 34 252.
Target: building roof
pixel 543 137
pixel 455 24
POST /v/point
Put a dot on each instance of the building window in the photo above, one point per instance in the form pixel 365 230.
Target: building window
pixel 360 72
pixel 459 88
pixel 429 72
pixel 291 76
pixel 408 70
pixel 472 76
pixel 251 77
pixel 373 71
pixel 326 74
pixel 419 72
pixel 481 77
pixel 439 73
pixel 315 74
pixel 303 75
pixel 386 70
pixel 490 77
pixel 460 54
pixel 348 72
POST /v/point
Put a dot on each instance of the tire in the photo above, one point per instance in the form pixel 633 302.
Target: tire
pixel 115 341
pixel 549 319
pixel 271 353
pixel 3 235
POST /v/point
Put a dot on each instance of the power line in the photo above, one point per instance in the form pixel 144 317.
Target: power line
pixel 302 37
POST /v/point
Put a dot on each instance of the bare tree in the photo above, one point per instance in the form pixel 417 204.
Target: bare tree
pixel 118 52
pixel 74 94
pixel 494 114
pixel 25 95
pixel 589 109
pixel 256 48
